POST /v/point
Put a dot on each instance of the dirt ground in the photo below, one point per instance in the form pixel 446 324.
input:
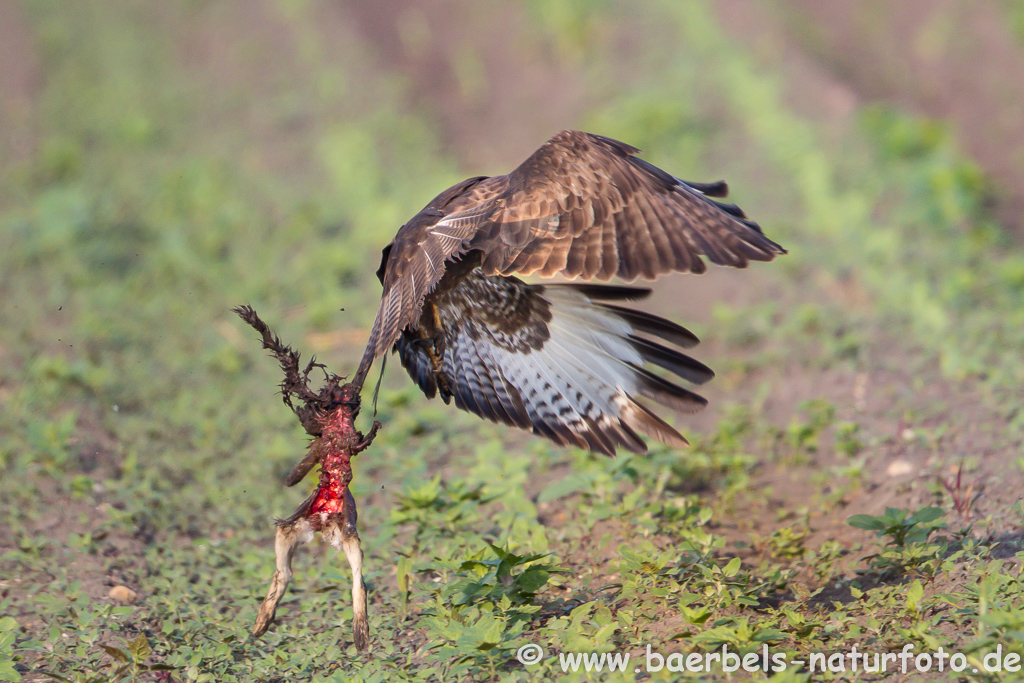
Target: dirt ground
pixel 832 70
pixel 833 54
pixel 842 55
pixel 832 57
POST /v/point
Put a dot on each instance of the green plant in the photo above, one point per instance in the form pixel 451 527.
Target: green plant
pixel 141 440
pixel 481 612
pixel 804 435
pixel 8 636
pixel 848 439
pixel 902 527
pixel 908 539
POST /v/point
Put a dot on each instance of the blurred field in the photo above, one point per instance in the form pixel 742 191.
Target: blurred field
pixel 161 163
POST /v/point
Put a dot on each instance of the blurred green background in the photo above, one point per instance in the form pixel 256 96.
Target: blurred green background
pixel 163 162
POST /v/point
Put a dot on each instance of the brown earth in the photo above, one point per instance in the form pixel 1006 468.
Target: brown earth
pixel 919 428
pixel 19 86
pixel 818 46
pixel 951 61
pixel 896 399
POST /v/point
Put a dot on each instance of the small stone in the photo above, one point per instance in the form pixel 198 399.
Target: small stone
pixel 898 468
pixel 123 594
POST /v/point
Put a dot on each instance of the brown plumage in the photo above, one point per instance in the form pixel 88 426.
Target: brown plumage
pixel 559 360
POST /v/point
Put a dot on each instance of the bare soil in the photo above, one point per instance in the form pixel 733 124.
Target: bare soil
pixel 495 110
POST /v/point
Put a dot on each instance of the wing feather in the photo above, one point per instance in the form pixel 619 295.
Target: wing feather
pixel 582 185
pixel 582 205
pixel 418 258
pixel 556 360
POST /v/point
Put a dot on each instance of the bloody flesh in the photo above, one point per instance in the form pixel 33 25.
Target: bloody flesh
pixel 338 442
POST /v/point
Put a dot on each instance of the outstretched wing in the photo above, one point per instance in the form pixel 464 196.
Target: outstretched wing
pixel 418 257
pixel 582 205
pixel 558 360
pixel 585 206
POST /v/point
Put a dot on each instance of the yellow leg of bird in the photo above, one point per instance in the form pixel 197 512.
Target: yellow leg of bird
pixel 429 333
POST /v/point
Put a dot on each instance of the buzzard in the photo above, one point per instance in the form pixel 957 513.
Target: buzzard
pixel 567 361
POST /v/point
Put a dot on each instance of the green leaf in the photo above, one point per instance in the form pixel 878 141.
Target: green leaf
pixel 565 486
pixel 139 649
pixel 533 580
pixel 9 673
pixel 487 632
pixel 696 616
pixel 867 522
pixel 402 573
pixel 733 567
pixel 914 595
pixel 504 554
pixel 8 624
pixel 925 515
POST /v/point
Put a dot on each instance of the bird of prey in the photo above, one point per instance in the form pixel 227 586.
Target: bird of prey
pixel 567 361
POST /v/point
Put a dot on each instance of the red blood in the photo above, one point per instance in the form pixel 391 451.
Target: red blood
pixel 338 442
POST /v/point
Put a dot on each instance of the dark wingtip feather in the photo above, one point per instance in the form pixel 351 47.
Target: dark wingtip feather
pixel 768 248
pixel 599 292
pixel 648 323
pixel 669 394
pixel 673 361
pixel 735 211
pixel 716 189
